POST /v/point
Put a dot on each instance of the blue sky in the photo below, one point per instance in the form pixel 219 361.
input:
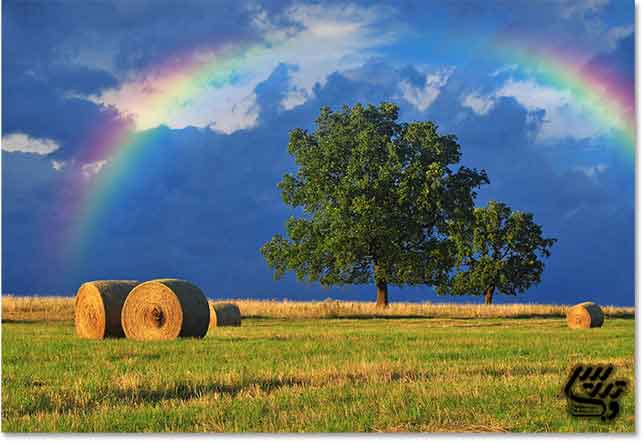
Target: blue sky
pixel 205 199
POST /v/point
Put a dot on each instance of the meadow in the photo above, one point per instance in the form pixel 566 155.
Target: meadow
pixel 312 367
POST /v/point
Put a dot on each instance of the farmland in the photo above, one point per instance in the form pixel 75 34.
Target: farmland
pixel 318 367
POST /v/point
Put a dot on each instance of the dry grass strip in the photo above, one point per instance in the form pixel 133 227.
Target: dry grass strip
pixel 59 308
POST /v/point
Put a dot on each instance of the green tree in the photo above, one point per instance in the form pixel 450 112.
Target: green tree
pixel 376 196
pixel 500 250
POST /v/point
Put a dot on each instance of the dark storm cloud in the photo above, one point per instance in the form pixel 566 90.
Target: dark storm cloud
pixel 617 64
pixel 139 32
pixel 33 107
pixel 82 80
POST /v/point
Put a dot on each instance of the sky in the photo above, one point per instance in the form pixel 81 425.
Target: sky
pixel 146 139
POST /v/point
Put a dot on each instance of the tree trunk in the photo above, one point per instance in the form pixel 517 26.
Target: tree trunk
pixel 382 294
pixel 488 295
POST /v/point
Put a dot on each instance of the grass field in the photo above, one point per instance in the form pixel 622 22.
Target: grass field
pixel 293 375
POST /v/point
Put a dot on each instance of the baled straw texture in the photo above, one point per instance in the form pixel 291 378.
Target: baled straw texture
pixel 224 314
pixel 97 308
pixel 585 315
pixel 165 309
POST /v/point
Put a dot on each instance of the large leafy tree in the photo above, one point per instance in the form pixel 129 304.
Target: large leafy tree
pixel 499 250
pixel 376 195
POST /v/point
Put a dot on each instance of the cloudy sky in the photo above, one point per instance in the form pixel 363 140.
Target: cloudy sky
pixel 145 139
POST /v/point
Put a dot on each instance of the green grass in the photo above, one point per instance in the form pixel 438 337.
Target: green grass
pixel 311 375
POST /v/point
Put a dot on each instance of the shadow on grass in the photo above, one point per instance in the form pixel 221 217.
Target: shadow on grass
pixel 498 372
pixel 145 357
pixel 187 390
pixel 36 321
pixel 357 317
pixel 367 317
pixel 621 316
pixel 514 316
pixel 69 402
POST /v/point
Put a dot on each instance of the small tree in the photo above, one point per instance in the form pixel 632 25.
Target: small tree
pixel 501 250
pixel 376 195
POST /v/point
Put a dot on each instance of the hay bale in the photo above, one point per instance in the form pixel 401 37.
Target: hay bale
pixel 585 315
pixel 98 306
pixel 224 314
pixel 165 309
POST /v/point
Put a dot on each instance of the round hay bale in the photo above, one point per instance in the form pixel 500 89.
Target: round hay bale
pixel 165 309
pixel 224 314
pixel 585 315
pixel 97 308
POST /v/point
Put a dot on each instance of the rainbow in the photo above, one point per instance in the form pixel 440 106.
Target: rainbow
pixel 608 98
pixel 175 82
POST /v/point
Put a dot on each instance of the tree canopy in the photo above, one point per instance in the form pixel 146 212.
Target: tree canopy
pixel 499 250
pixel 377 196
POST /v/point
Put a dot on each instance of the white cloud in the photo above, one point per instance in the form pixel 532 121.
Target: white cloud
pixel 480 104
pixel 504 70
pixel 332 37
pixel 319 39
pixel 58 165
pixel 564 115
pixel 18 142
pixel 617 33
pixel 423 97
pixel 221 108
pixel 571 8
pixel 294 98
pixel 592 171
pixel 90 169
pixel 241 115
pixel 569 214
